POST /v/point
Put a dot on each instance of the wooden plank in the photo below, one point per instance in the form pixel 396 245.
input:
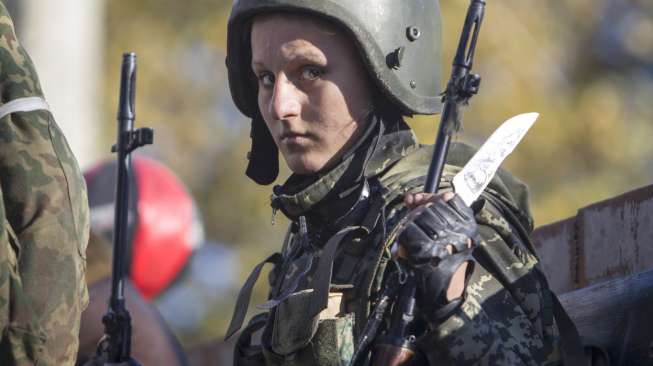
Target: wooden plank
pixel 616 315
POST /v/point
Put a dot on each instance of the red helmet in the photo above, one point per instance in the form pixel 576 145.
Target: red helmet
pixel 164 225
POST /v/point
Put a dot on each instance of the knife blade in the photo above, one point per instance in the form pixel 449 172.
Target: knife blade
pixel 470 182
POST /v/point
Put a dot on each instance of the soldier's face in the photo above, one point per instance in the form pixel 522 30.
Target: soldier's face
pixel 313 91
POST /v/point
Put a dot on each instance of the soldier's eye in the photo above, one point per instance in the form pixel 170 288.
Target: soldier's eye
pixel 266 79
pixel 311 73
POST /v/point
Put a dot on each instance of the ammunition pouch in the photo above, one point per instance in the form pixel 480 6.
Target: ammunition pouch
pixel 296 338
pixel 292 327
pixel 299 339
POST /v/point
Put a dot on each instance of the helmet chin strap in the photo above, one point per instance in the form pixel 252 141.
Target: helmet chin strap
pixel 263 166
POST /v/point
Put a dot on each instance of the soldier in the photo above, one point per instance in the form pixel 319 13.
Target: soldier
pixel 327 83
pixel 45 215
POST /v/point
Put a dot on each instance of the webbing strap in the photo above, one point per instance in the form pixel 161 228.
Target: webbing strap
pixel 27 104
pixel 305 263
pixel 573 352
pixel 322 279
pixel 242 303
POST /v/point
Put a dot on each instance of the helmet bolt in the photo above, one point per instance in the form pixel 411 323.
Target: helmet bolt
pixel 413 33
pixel 413 84
pixel 394 58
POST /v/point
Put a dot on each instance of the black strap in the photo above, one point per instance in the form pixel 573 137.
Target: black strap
pixel 322 279
pixel 245 353
pixel 242 304
pixel 305 263
pixel 376 318
pixel 571 345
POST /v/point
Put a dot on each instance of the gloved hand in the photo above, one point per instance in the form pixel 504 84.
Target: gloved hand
pixel 436 240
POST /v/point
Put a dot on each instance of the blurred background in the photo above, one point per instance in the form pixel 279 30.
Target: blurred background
pixel 585 65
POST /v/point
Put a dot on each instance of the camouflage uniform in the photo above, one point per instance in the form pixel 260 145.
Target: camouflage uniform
pixel 335 263
pixel 505 319
pixel 45 215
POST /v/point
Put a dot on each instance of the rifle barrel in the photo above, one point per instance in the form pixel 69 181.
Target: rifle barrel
pixel 126 116
pixel 462 86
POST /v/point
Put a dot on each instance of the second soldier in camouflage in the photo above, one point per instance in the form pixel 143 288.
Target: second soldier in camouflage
pixel 45 220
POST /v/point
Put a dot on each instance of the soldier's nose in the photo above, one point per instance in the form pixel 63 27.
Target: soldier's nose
pixel 285 100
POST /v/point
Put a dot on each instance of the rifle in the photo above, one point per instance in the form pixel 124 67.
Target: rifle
pixel 115 346
pixel 461 87
pixel 397 348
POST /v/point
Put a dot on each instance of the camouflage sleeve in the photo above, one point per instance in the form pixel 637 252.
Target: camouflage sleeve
pixel 22 336
pixel 504 319
pixel 46 206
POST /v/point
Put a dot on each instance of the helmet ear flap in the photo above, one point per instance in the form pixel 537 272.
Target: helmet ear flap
pixel 263 166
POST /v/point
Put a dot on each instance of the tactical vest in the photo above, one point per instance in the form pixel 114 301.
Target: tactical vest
pixel 321 295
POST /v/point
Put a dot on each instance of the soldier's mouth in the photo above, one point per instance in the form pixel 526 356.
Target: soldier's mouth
pixel 293 138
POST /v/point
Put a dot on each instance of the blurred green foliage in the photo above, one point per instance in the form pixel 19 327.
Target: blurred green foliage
pixel 587 71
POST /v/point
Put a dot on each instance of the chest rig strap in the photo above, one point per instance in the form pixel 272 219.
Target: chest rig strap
pixel 242 303
pixel 322 279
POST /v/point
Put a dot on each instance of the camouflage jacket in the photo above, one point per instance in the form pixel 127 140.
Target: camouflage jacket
pixel 336 258
pixel 45 216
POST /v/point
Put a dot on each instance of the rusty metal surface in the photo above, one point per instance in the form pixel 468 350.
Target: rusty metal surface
pixel 606 240
pixel 557 255
pixel 618 235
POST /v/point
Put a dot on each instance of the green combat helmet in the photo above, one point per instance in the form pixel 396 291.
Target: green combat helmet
pixel 400 44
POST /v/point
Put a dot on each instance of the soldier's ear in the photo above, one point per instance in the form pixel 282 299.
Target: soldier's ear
pixel 263 166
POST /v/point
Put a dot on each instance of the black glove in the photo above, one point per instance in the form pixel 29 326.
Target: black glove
pixel 427 231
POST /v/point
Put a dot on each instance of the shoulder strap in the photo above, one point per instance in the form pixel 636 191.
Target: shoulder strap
pixel 242 303
pixel 573 352
pixel 571 346
pixel 322 279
